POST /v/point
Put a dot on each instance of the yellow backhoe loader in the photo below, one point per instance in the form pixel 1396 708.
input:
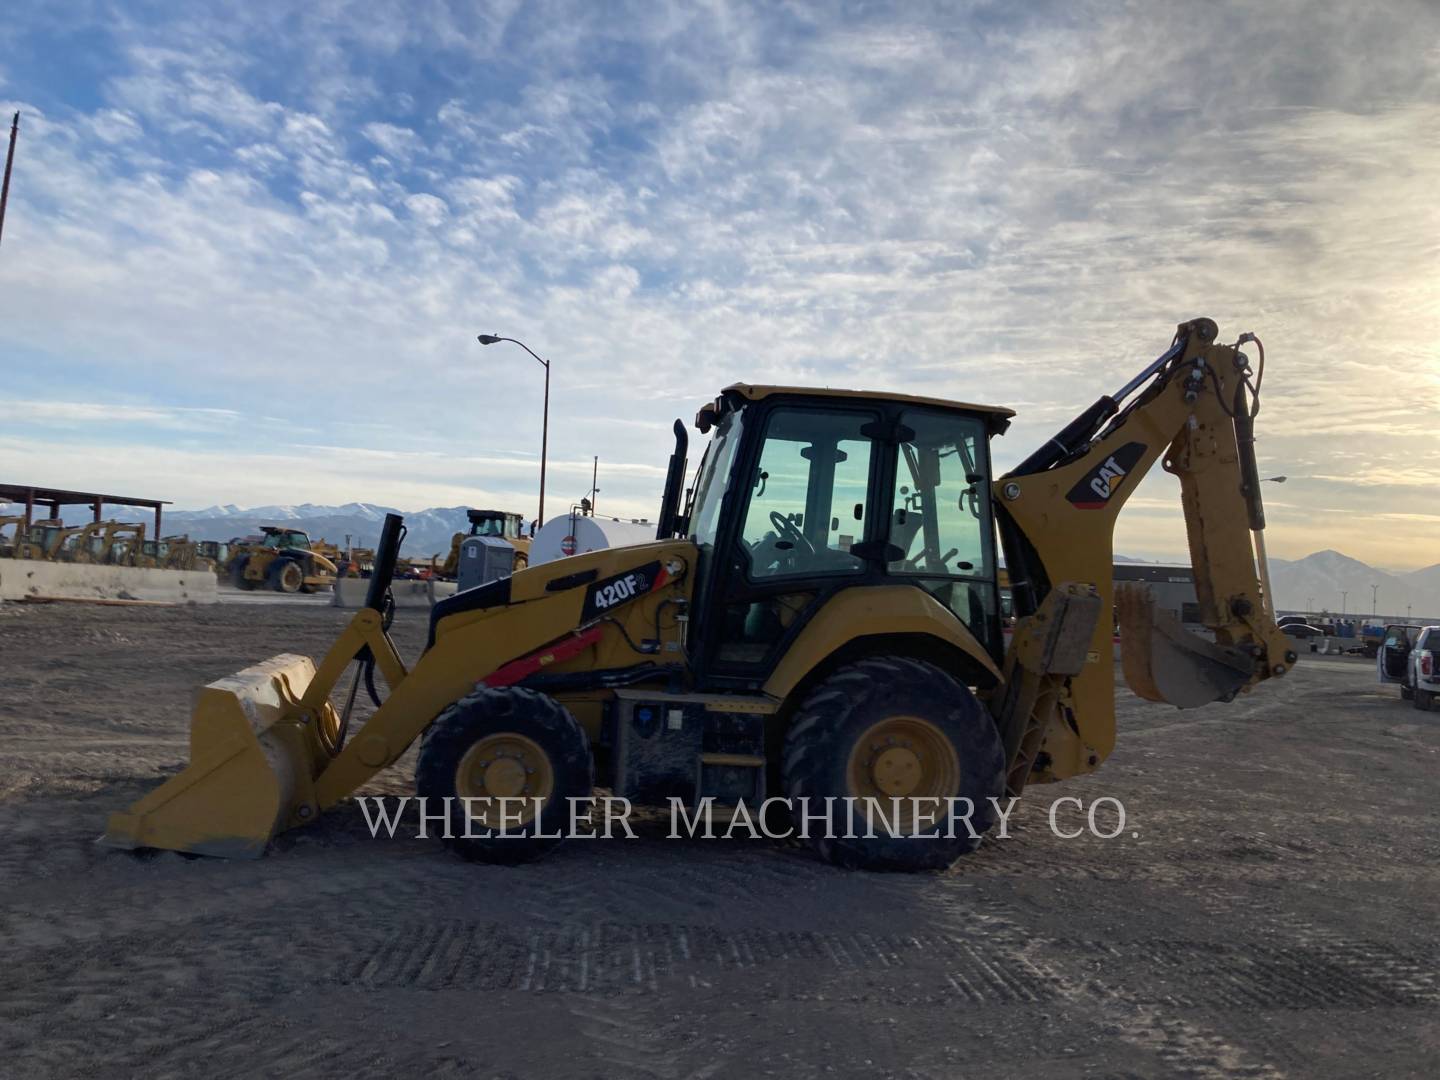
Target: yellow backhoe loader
pixel 820 622
pixel 43 539
pixel 79 543
pixel 123 544
pixel 182 553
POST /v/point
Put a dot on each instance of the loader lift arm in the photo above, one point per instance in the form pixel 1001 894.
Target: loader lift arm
pixel 1192 409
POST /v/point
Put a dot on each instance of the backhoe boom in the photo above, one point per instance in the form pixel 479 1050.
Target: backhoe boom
pixel 1057 511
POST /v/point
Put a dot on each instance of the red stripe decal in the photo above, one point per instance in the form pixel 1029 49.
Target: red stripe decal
pixel 517 670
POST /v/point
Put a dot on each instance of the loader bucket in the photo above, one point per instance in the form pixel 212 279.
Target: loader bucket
pixel 249 764
pixel 1165 662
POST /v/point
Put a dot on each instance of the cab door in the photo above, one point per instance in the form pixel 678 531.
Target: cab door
pixel 800 512
pixel 1394 654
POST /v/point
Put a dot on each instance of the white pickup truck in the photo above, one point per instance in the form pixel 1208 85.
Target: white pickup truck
pixel 1410 656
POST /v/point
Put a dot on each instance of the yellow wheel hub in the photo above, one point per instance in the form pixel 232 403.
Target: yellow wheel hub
pixel 896 771
pixel 504 766
pixel 904 757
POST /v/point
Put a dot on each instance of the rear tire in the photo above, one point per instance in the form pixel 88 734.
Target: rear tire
pixel 883 717
pixel 237 574
pixel 492 732
pixel 1406 694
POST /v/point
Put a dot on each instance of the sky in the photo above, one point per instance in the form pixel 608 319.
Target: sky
pixel 249 247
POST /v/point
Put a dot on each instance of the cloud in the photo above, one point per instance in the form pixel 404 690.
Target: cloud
pixel 85 414
pixel 399 142
pixel 992 203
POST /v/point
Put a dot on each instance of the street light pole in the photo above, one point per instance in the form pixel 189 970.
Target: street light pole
pixel 9 163
pixel 1374 599
pixel 491 339
pixel 1343 594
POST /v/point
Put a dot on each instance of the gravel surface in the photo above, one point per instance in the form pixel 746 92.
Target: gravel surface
pixel 1268 910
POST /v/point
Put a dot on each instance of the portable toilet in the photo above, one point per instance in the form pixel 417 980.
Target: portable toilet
pixel 483 559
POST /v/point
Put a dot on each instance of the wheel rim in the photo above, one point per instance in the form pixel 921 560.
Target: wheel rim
pixel 291 577
pixel 505 765
pixel 904 757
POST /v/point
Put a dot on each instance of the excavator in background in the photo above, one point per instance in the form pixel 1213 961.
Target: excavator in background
pixel 819 621
pixel 284 561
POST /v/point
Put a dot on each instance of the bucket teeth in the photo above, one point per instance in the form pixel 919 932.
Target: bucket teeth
pixel 1165 662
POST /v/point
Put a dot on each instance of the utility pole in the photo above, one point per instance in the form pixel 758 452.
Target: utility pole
pixel 594 481
pixel 1374 599
pixel 9 164
pixel 1343 594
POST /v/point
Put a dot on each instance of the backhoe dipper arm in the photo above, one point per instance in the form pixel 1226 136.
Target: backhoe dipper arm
pixel 1056 512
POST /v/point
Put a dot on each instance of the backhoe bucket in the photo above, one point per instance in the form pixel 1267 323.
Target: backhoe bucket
pixel 1165 662
pixel 251 761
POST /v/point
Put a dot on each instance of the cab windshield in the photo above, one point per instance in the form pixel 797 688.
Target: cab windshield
pixel 710 482
pixel 489 527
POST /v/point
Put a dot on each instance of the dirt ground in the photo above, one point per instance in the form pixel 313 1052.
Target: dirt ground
pixel 1268 911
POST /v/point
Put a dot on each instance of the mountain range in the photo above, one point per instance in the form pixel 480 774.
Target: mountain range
pixel 1322 581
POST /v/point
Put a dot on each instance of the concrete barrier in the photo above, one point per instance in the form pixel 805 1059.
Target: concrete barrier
pixel 20 578
pixel 350 592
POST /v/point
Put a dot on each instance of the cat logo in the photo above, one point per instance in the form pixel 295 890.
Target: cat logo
pixel 1111 470
pixel 1094 491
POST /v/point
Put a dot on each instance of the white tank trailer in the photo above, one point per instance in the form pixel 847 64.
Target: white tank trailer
pixel 574 534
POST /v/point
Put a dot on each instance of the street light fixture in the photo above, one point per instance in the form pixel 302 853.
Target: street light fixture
pixel 491 339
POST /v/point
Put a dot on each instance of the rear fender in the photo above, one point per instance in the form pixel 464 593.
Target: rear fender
pixel 887 611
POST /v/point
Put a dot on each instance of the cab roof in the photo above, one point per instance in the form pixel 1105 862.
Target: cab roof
pixel 752 392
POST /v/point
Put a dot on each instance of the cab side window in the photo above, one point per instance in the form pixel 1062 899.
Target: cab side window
pixel 940 532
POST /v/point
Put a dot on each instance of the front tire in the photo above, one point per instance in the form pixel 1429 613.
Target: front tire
pixel 286 576
pixel 505 743
pixel 894 727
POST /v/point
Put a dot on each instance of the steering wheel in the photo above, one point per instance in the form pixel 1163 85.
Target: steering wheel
pixel 788 530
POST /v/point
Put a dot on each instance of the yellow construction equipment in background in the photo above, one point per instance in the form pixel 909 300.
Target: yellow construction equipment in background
pixel 284 560
pixel 43 539
pixel 821 621
pixel 7 543
pixel 501 523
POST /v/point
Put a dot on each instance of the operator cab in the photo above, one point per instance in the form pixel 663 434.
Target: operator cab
pixel 803 493
pixel 494 523
pixel 284 538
